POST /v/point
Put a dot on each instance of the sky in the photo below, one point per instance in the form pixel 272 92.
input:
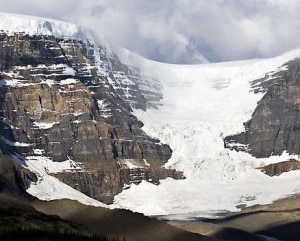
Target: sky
pixel 181 31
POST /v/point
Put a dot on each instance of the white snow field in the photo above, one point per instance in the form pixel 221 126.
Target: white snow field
pixel 201 105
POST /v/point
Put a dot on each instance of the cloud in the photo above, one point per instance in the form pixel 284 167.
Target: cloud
pixel 182 31
pixel 50 8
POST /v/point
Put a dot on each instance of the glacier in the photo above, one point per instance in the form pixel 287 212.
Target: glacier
pixel 201 105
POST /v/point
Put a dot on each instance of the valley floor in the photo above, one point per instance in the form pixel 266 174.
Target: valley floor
pixel 280 220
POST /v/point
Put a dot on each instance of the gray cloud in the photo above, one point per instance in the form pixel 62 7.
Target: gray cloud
pixel 182 31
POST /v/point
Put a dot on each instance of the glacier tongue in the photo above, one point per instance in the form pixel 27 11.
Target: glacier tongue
pixel 200 106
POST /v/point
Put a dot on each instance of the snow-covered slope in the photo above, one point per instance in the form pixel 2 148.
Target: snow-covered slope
pixel 201 105
pixel 11 23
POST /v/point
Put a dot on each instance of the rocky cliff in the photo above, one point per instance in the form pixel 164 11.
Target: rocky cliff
pixel 275 123
pixel 68 100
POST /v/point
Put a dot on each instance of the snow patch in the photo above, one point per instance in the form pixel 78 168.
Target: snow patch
pixel 43 163
pixel 14 83
pixel 105 111
pixel 68 81
pixel 49 82
pixel 146 163
pixel 69 71
pixel 44 125
pixel 133 163
pixel 17 144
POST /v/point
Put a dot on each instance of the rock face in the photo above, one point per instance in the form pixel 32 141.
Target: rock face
pixel 14 175
pixel 65 99
pixel 102 184
pixel 275 123
pixel 281 167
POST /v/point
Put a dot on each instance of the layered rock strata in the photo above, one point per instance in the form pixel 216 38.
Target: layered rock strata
pixel 60 101
pixel 275 124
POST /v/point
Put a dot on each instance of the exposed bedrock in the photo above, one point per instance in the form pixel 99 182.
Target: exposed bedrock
pixel 57 102
pixel 275 124
pixel 277 169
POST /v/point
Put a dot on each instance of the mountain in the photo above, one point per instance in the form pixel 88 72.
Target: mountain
pixel 66 106
pixel 96 123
